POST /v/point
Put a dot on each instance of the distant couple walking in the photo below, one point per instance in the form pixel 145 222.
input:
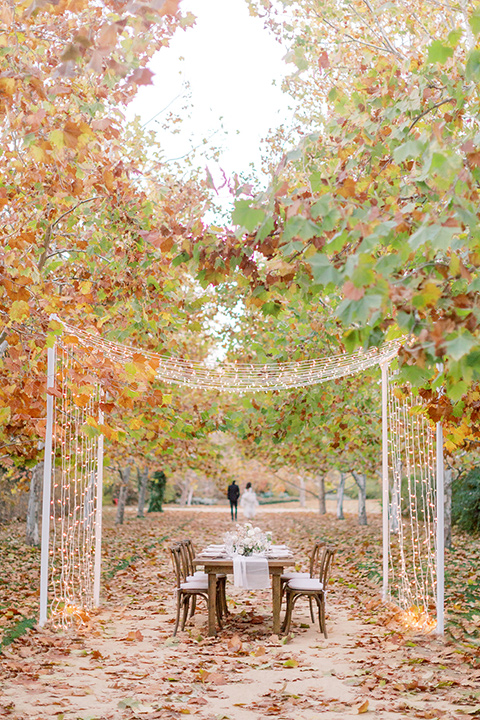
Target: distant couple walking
pixel 248 501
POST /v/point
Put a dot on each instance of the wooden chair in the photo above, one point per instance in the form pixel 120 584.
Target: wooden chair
pixel 312 571
pixel 188 590
pixel 312 588
pixel 195 575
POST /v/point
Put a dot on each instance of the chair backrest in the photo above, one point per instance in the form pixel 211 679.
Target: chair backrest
pixel 325 562
pixel 177 562
pixel 314 556
pixel 186 553
pixel 189 555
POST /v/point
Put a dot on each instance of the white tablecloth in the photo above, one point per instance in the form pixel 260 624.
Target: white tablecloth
pixel 251 572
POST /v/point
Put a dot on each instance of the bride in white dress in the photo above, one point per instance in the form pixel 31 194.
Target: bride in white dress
pixel 249 502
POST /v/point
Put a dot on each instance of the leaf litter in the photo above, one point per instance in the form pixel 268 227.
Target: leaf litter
pixel 125 663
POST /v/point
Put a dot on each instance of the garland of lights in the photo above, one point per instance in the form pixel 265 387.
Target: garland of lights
pixel 75 500
pixel 242 377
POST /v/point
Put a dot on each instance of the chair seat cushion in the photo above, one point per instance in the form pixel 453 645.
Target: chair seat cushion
pixel 200 576
pixel 195 585
pixel 294 575
pixel 305 584
pixel 197 575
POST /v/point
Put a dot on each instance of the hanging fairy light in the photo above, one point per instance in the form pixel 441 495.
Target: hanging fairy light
pixel 242 377
pixel 73 501
pixel 75 507
pixel 412 546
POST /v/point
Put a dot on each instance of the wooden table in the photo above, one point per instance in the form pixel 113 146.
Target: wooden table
pixel 224 565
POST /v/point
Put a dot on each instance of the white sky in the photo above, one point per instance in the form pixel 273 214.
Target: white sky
pixel 230 61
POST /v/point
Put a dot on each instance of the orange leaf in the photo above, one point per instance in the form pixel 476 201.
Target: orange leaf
pixel 363 708
pixel 54 391
pixel 347 188
pixel 7 86
pixel 351 292
pixel 323 61
pixel 142 76
pixel 234 643
pixel 107 37
pixel 169 7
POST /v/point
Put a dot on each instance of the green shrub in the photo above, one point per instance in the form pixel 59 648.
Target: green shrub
pixel 157 486
pixel 466 501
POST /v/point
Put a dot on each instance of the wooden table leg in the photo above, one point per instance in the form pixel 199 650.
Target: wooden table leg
pixel 276 601
pixel 212 603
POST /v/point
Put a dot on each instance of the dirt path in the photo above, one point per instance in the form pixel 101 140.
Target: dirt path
pixel 124 663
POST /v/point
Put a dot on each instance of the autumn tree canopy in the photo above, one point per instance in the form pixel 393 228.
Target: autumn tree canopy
pixel 91 217
pixel 375 211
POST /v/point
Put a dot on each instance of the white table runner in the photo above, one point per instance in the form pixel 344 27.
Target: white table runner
pixel 251 572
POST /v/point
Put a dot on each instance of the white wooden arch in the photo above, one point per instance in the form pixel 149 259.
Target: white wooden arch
pixel 239 378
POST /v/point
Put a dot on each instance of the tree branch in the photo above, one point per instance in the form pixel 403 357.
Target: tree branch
pixel 425 112
pixel 73 250
pixel 82 202
pixel 46 244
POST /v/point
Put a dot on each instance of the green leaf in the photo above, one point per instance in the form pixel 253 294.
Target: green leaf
pixel 437 52
pixel 410 149
pixel 437 236
pixel 454 36
pixel 414 374
pixel 350 311
pixel 246 216
pixel 265 229
pixel 90 431
pixel 128 703
pixel 461 345
pixel 57 138
pixel 179 259
pixel 472 67
pixel 474 286
pixel 323 270
pixel 300 227
pixel 474 20
pixel 131 368
pixel 455 392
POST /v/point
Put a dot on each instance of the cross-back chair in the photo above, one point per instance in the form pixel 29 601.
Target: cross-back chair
pixel 314 589
pixel 193 574
pixel 312 571
pixel 189 587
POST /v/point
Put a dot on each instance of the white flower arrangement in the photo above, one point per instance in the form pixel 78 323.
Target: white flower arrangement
pixel 247 540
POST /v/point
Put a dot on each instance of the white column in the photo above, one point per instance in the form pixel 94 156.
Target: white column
pixel 385 490
pixel 47 485
pixel 440 533
pixel 98 515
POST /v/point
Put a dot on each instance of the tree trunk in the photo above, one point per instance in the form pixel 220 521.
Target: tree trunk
pixel 361 481
pixel 142 476
pixel 340 494
pixel 190 495
pixel 301 495
pixel 122 495
pixel 185 489
pixel 322 506
pixel 32 535
pixel 448 480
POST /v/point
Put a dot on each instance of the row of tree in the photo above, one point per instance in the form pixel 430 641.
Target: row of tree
pixel 368 231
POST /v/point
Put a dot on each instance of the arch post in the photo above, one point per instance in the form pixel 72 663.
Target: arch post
pixel 440 532
pixel 385 488
pixel 98 514
pixel 47 486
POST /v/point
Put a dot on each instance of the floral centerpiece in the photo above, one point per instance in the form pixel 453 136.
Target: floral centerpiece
pixel 247 540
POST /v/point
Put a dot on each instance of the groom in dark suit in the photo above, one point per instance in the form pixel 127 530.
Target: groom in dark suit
pixel 233 493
